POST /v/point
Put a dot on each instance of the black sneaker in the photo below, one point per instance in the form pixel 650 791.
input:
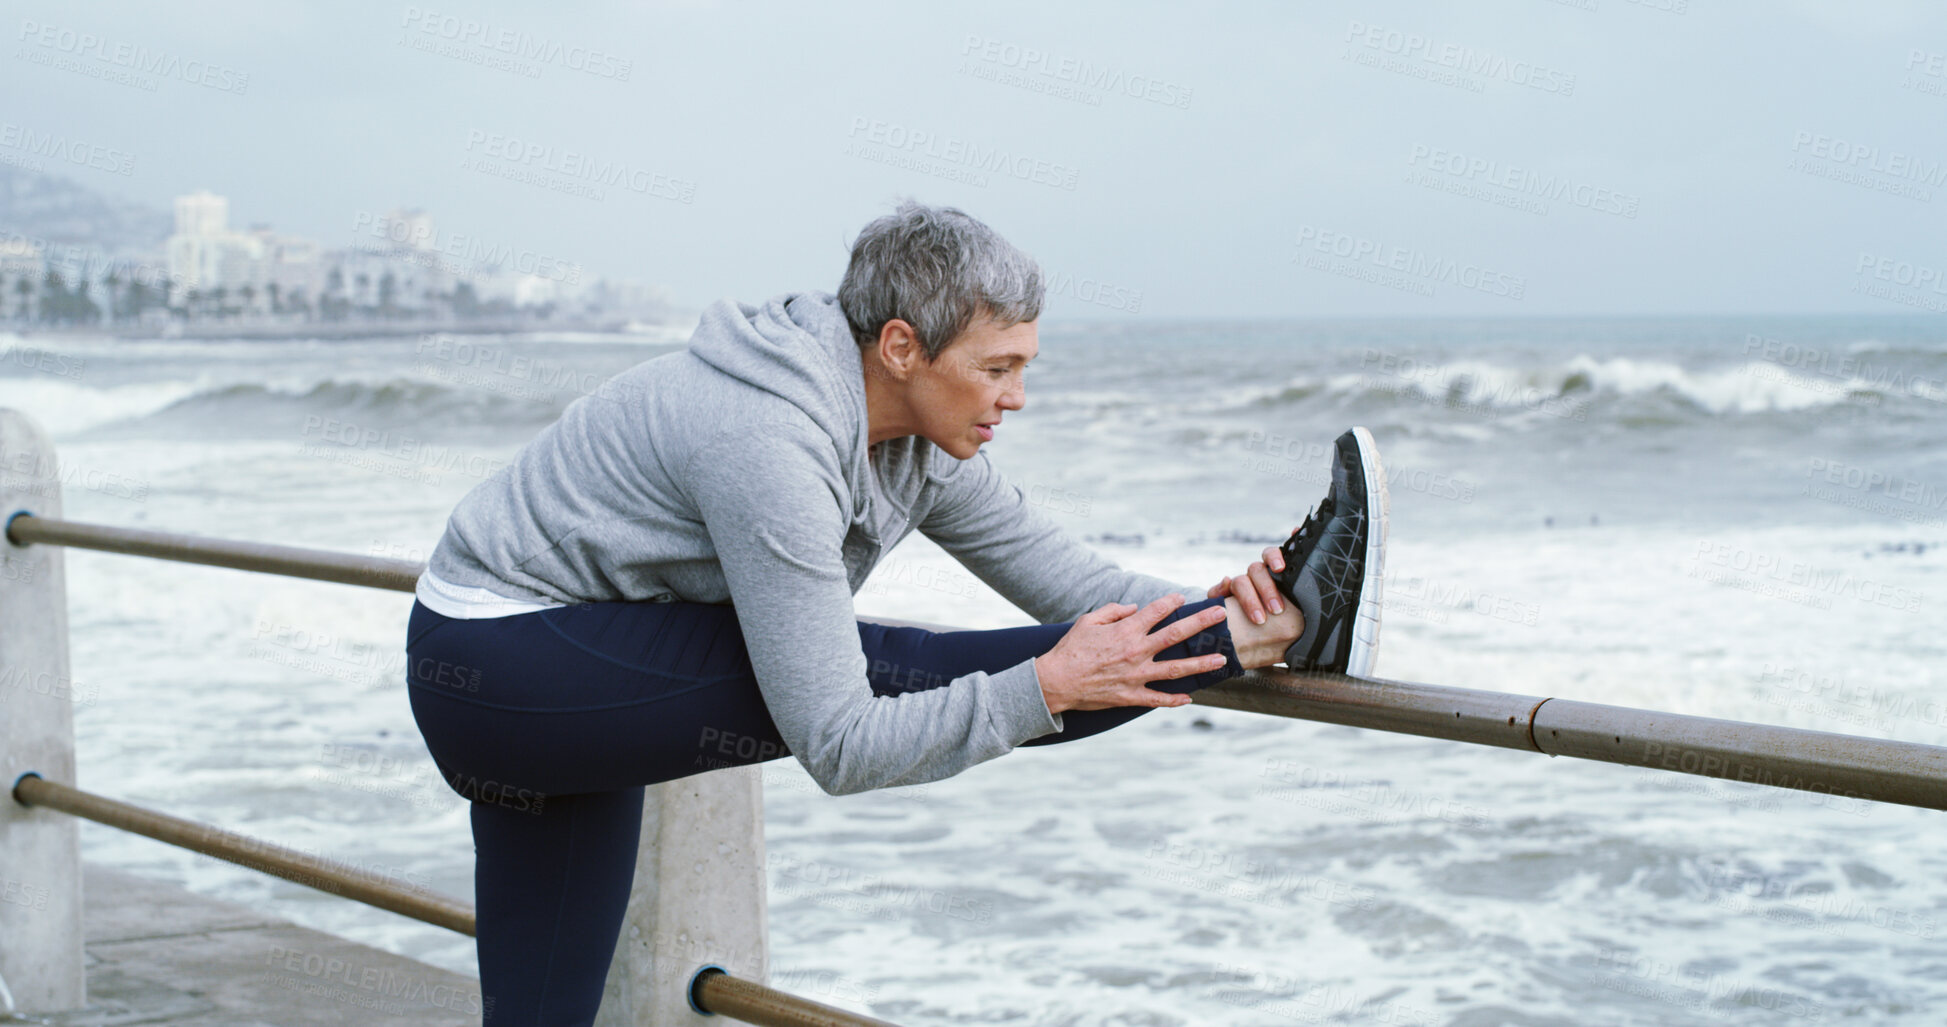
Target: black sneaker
pixel 1333 564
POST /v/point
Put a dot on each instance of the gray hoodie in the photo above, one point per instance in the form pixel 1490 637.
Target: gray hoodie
pixel 738 470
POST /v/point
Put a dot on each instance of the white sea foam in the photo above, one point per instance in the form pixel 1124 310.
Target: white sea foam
pixel 63 406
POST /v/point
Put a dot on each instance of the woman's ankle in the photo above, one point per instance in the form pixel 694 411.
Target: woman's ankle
pixel 1261 645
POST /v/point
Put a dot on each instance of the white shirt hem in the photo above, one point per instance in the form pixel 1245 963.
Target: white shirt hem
pixel 469 603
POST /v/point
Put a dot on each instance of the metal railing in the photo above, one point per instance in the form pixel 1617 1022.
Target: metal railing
pixel 1865 768
pixel 713 989
pixel 1853 766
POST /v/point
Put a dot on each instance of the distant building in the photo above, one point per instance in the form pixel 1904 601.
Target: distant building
pixel 636 300
pixel 295 267
pixel 403 271
pixel 390 280
pixel 204 254
pixel 202 213
pixel 258 271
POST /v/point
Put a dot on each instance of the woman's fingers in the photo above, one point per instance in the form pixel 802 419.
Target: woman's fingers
pixel 1183 668
pixel 1143 695
pixel 1154 613
pixel 1188 627
pixel 1240 586
pixel 1256 593
pixel 1267 590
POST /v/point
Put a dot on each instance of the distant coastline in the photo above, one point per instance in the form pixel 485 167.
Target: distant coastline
pixel 331 331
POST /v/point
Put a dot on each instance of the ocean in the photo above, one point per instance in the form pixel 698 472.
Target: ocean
pixel 1728 517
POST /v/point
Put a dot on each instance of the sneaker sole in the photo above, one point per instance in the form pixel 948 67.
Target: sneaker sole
pixel 1365 624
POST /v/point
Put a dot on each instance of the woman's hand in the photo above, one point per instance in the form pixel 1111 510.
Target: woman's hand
pixel 1254 589
pixel 1108 658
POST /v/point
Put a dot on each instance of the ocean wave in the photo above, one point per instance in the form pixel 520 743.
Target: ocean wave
pixel 62 407
pixel 244 408
pixel 1585 387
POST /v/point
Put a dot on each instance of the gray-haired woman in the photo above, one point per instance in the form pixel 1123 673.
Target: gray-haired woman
pixel 671 565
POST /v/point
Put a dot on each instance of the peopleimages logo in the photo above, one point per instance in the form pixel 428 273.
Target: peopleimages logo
pixel 947 149
pixel 1072 71
pixel 65 148
pixel 1412 53
pixel 525 157
pixel 131 60
pixel 1870 158
pixel 1926 72
pixel 1901 281
pixel 1845 369
pixel 471 256
pixel 1870 167
pixel 1524 181
pixel 515 43
pixel 1408 263
pixel 1723 563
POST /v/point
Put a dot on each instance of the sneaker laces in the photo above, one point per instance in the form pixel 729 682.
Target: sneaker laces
pixel 1314 521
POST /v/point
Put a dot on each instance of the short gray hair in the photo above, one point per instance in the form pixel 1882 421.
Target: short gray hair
pixel 937 269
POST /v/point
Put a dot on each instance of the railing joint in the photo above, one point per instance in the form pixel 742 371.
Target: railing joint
pixel 14 789
pixel 9 528
pixel 1533 712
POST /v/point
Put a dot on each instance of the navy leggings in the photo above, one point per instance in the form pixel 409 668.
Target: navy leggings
pixel 551 723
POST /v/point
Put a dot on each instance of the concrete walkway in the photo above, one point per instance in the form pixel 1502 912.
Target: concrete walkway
pixel 160 955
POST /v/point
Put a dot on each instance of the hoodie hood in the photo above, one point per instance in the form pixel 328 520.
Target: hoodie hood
pixel 798 347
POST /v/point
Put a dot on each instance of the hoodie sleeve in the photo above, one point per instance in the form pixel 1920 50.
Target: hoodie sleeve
pixel 989 526
pixel 774 502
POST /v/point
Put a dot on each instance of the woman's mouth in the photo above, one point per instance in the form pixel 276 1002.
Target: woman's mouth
pixel 986 432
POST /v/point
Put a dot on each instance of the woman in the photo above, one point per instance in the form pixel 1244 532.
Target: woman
pixel 673 562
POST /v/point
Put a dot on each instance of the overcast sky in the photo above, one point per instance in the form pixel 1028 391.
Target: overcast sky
pixel 1526 157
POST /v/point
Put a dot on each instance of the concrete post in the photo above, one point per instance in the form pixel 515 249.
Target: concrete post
pixel 698 899
pixel 40 850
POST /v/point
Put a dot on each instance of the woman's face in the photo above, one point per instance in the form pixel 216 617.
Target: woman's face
pixel 977 378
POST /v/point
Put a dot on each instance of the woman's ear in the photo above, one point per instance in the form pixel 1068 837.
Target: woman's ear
pixel 899 348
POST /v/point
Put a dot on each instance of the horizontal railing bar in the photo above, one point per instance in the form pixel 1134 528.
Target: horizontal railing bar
pixel 1435 711
pixel 755 1003
pixel 1850 766
pixel 243 850
pixel 264 557
pixel 1877 769
pixel 1882 770
pixel 722 993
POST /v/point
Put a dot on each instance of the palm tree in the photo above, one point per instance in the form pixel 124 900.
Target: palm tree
pixel 54 297
pixel 108 283
pixel 136 299
pixel 466 303
pixel 86 310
